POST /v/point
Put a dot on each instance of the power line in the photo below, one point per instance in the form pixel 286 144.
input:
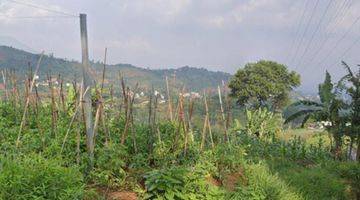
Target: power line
pixel 306 28
pixel 339 41
pixel 338 17
pixel 37 17
pixel 346 51
pixel 41 8
pixel 314 33
pixel 297 32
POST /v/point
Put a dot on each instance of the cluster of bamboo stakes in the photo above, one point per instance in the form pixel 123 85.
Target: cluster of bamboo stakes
pixel 181 116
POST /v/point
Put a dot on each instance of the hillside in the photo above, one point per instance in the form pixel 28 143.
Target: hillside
pixel 190 77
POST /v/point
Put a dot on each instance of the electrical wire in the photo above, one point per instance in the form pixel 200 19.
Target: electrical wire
pixel 304 33
pixel 41 8
pixel 297 32
pixel 339 41
pixel 314 33
pixel 338 18
pixel 36 17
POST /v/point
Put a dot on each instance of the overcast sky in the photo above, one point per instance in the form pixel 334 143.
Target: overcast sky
pixel 215 34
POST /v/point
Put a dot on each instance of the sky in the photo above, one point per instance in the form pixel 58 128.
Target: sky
pixel 309 36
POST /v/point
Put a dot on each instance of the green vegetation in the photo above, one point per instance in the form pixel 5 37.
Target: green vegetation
pixel 186 149
pixel 264 83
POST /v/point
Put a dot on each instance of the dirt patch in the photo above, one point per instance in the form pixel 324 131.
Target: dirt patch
pixel 231 180
pixel 123 195
pixel 212 181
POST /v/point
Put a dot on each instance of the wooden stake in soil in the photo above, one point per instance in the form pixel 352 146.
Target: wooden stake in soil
pixel 206 126
pixel 5 86
pixel 169 99
pixel 222 114
pixel 27 101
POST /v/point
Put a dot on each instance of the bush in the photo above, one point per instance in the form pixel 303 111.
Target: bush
pixel 110 162
pixel 179 183
pixel 328 186
pixel 34 177
pixel 261 184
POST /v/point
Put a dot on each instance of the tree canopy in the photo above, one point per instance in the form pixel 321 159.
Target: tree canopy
pixel 263 83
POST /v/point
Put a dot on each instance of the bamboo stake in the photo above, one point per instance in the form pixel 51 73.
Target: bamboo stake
pixel 5 86
pixel 206 126
pixel 103 72
pixel 208 123
pixel 27 101
pixel 53 106
pixel 169 99
pixel 222 114
pixel 72 120
pixel 62 96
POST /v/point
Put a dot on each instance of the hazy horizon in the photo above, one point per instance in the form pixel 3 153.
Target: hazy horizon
pixel 217 35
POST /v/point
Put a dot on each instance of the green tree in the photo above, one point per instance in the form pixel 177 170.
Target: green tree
pixel 328 109
pixel 264 83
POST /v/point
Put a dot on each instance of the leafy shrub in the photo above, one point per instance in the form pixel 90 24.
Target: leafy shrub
pixel 109 166
pixel 179 183
pixel 34 177
pixel 263 123
pixel 328 186
pixel 261 184
pixel 351 172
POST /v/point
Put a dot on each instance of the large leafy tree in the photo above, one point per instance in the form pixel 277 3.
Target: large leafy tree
pixel 263 83
pixel 328 109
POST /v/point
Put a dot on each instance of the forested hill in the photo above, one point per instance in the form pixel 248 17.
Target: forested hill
pixel 190 77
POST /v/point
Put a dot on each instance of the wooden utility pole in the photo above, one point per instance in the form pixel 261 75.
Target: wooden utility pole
pixel 86 82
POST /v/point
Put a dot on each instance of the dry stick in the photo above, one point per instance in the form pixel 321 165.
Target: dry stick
pixel 62 96
pixel 97 117
pixel 128 113
pixel 123 136
pixel 203 133
pixel 190 113
pixel 15 91
pixel 72 120
pixel 206 125
pixel 150 119
pixel 132 120
pixel 78 137
pixel 53 109
pixel 169 99
pixel 37 99
pixel 14 98
pixel 125 95
pixel 5 86
pixel 228 108
pixel 222 114
pixel 102 112
pixel 111 95
pixel 103 72
pixel 182 120
pixel 27 101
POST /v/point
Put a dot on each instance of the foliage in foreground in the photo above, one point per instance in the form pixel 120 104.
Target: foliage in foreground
pixel 34 177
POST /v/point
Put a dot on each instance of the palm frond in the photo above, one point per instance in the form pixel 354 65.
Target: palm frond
pixel 306 118
pixel 347 67
pixel 306 103
pixel 299 114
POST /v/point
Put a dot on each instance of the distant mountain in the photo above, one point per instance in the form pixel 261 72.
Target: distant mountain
pixel 12 42
pixel 192 78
